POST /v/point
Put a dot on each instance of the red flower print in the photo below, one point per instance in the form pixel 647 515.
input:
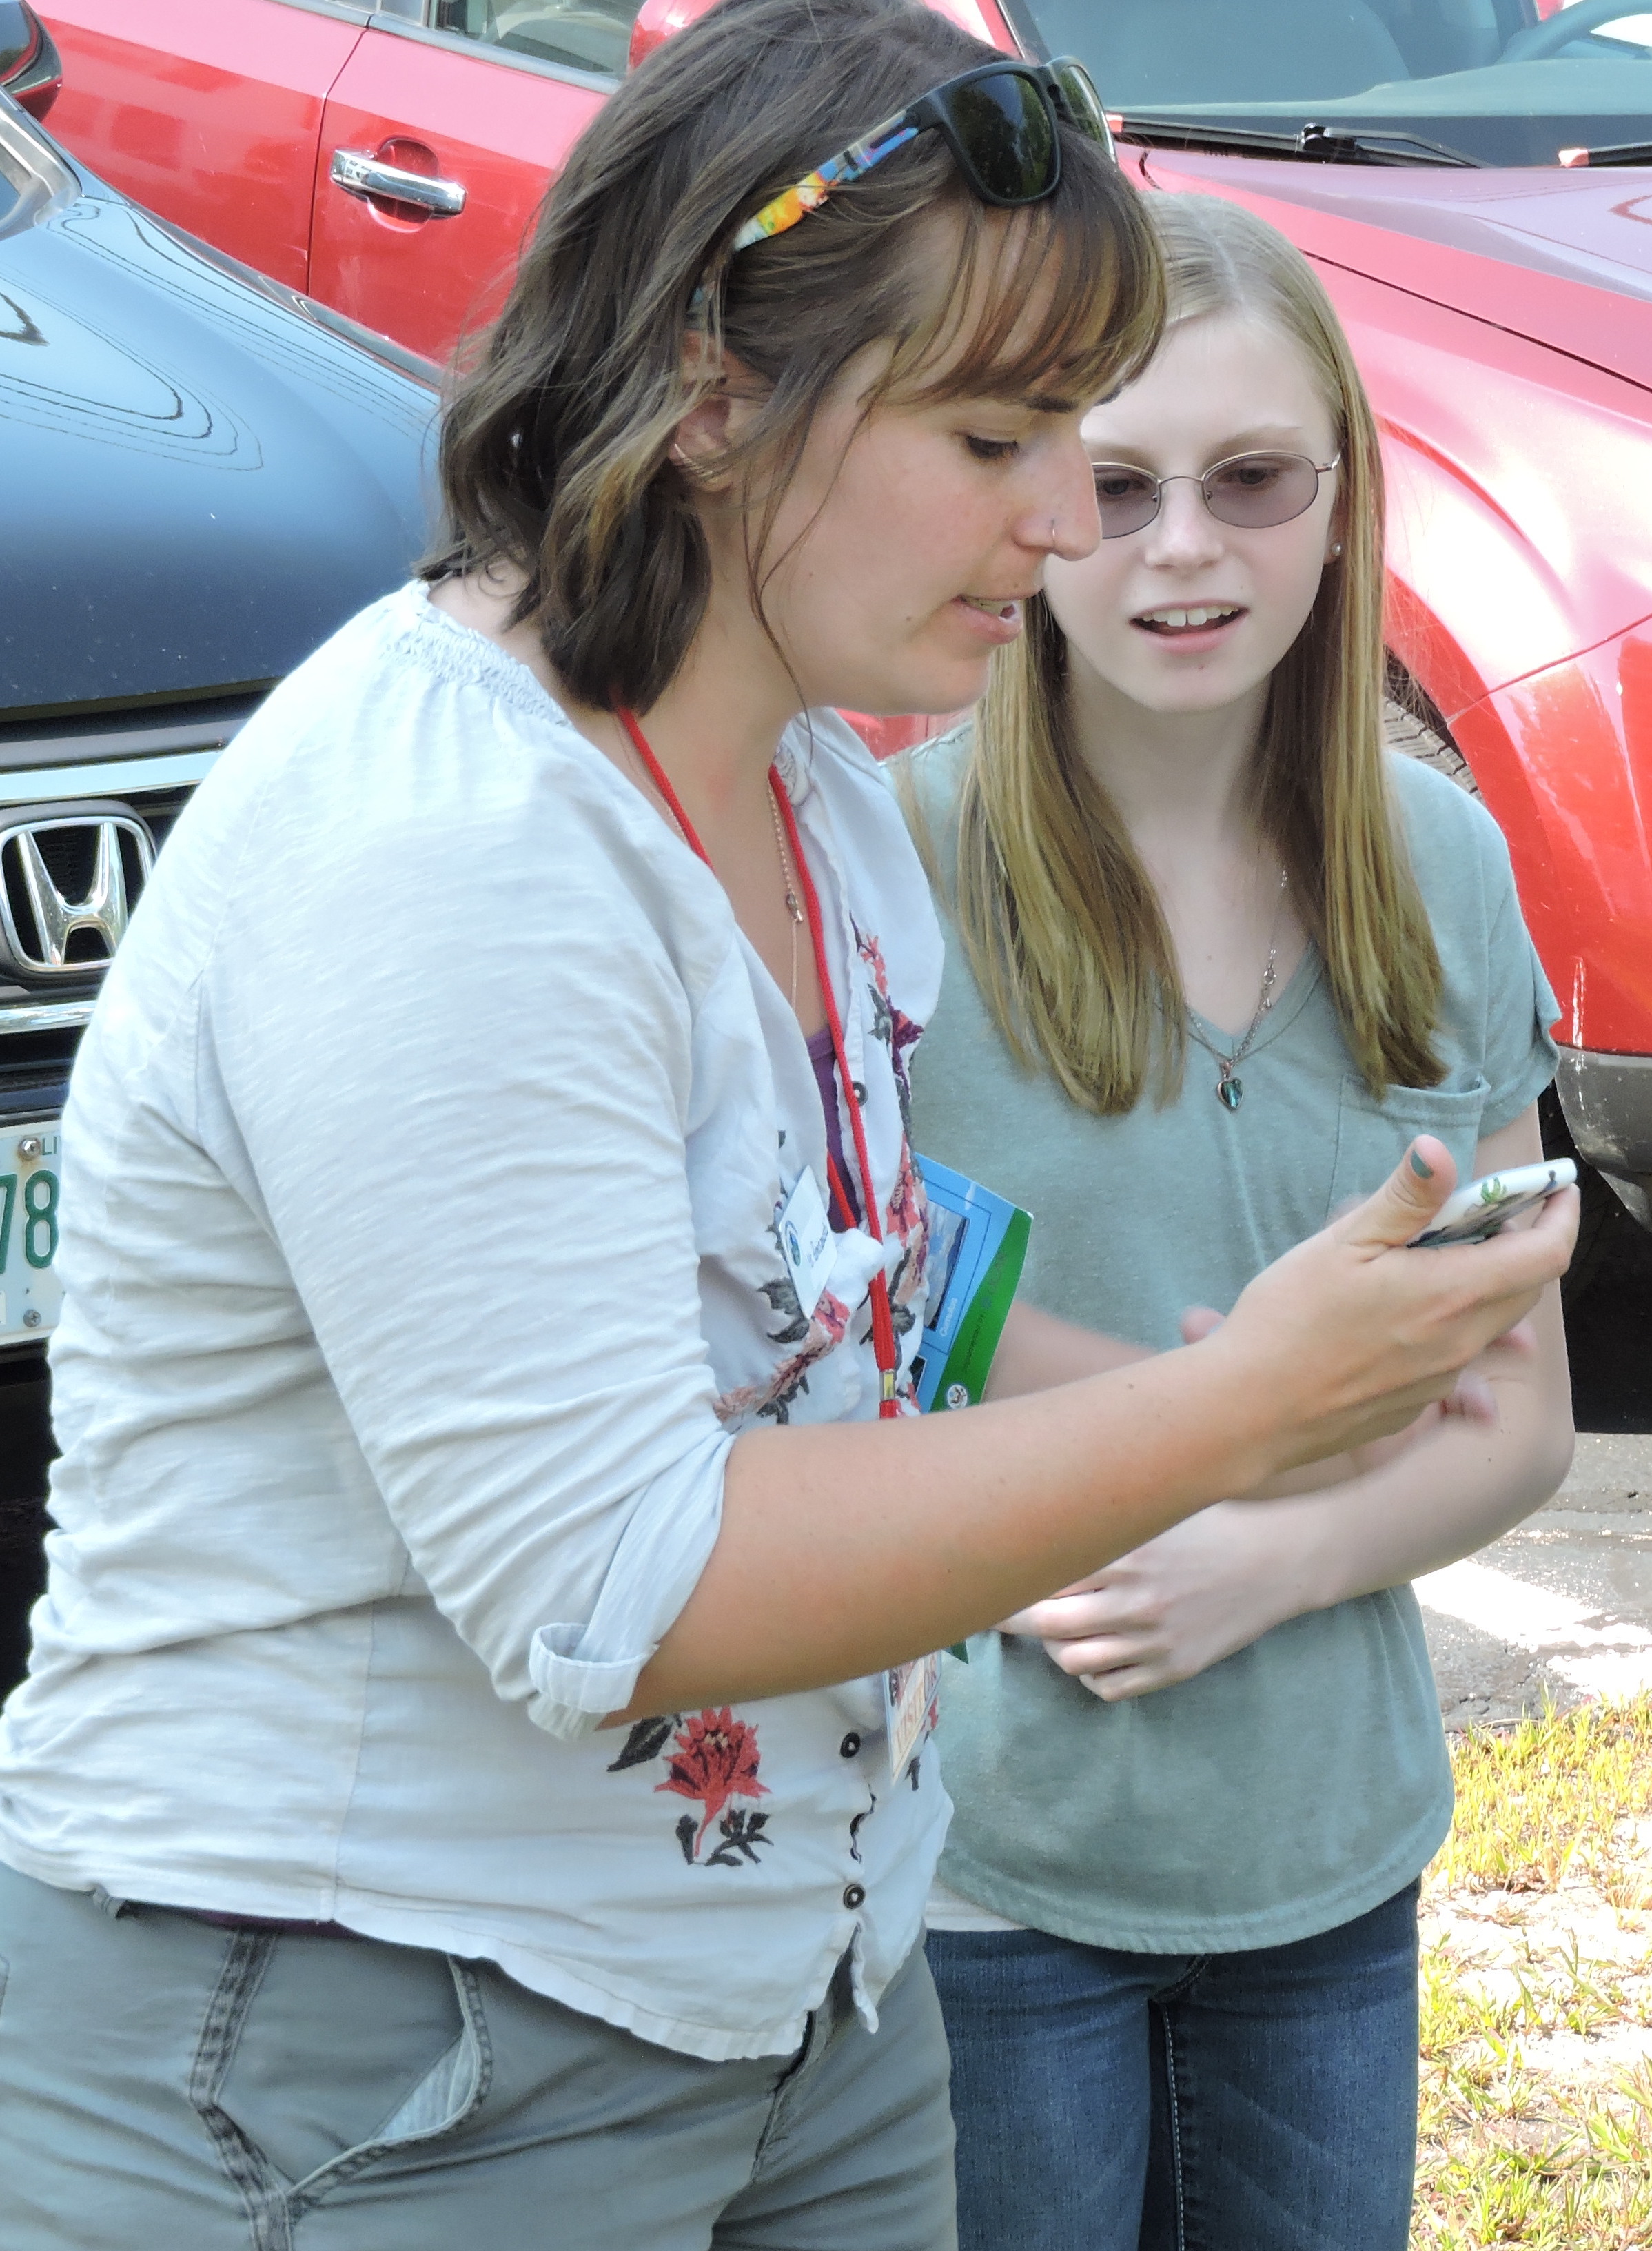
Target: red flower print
pixel 716 1759
pixel 905 1216
pixel 890 1024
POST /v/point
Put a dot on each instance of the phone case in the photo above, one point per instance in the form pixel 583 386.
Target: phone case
pixel 1476 1212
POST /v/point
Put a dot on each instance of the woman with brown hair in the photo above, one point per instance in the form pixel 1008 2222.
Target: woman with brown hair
pixel 1218 956
pixel 472 1779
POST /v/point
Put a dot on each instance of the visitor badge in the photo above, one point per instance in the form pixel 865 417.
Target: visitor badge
pixel 911 1708
pixel 805 1240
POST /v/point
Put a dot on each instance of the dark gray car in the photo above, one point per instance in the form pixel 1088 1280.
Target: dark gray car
pixel 202 475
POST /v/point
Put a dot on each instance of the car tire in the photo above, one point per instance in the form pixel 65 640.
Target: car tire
pixel 1414 737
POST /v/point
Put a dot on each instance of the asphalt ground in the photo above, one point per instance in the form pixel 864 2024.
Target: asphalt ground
pixel 1560 1608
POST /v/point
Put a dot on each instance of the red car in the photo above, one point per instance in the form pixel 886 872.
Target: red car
pixel 388 160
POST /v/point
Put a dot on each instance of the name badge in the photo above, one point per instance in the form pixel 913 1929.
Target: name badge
pixel 805 1240
pixel 911 1708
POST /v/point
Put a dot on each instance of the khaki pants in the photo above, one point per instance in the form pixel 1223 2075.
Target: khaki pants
pixel 166 2085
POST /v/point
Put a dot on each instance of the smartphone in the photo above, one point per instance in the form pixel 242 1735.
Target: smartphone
pixel 1485 1205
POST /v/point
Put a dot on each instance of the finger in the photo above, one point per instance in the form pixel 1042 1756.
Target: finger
pixel 1407 1201
pixel 1131 1680
pixel 1078 1619
pixel 1474 1401
pixel 1020 1623
pixel 1501 1280
pixel 1521 1340
pixel 1384 1418
pixel 1046 1616
pixel 1199 1322
pixel 1478 1291
pixel 1103 1653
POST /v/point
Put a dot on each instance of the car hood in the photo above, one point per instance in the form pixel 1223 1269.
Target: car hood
pixel 199 481
pixel 1562 257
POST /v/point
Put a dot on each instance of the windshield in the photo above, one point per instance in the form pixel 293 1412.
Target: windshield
pixel 1502 81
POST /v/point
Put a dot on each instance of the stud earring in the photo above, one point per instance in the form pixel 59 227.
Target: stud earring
pixel 1335 547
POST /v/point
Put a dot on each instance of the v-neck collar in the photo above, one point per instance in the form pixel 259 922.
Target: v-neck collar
pixel 1302 982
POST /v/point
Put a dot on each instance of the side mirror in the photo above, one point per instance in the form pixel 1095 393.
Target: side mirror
pixel 656 21
pixel 30 70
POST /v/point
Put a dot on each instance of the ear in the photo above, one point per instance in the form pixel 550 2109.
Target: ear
pixel 1337 533
pixel 728 402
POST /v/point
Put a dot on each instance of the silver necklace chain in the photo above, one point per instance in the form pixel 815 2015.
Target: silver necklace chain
pixel 794 905
pixel 1230 1088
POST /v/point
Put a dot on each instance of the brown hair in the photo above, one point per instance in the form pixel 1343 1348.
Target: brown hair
pixel 554 452
pixel 1060 919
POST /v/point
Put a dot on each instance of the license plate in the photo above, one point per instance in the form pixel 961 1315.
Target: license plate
pixel 30 1294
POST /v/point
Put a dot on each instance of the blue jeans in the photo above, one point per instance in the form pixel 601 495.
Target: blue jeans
pixel 1264 2101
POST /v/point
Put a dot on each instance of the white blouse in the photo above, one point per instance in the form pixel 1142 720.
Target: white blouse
pixel 422 1162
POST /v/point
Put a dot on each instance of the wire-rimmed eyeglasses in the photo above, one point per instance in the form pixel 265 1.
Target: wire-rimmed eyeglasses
pixel 1249 490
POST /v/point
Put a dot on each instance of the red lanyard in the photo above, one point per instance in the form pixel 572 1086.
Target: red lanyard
pixel 883 1344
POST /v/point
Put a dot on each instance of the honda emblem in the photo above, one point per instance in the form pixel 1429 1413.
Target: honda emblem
pixel 69 880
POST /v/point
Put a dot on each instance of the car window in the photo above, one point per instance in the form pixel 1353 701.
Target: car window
pixel 591 35
pixel 1502 81
pixel 34 180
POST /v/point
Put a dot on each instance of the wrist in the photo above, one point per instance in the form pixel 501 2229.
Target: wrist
pixel 1307 1547
pixel 1242 1397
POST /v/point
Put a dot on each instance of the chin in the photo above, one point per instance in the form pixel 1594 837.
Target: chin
pixel 1191 697
pixel 932 691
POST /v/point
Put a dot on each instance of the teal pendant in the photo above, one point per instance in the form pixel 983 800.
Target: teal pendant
pixel 1230 1090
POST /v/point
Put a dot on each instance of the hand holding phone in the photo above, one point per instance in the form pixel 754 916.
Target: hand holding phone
pixel 1478 1211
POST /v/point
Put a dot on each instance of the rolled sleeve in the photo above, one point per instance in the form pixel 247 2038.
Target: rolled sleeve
pixel 582 1672
pixel 1520 1053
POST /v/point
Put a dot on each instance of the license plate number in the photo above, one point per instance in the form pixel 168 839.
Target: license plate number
pixel 30 1294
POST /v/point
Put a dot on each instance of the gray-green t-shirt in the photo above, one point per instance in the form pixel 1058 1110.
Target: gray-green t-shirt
pixel 1303 1780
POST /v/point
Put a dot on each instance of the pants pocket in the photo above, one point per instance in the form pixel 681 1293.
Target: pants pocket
pixel 320 2056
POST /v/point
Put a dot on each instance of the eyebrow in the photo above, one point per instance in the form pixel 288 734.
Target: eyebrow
pixel 1046 402
pixel 1235 442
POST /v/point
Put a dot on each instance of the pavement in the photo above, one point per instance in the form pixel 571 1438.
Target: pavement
pixel 1560 1608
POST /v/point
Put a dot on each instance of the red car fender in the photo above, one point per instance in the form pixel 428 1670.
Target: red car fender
pixel 1571 745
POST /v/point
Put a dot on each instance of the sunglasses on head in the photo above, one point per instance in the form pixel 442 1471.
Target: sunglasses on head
pixel 999 122
pixel 1249 490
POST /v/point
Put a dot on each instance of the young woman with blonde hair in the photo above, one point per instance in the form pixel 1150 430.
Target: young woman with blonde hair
pixel 1214 958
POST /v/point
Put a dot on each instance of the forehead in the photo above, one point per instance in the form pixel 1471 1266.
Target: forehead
pixel 1224 378
pixel 1021 314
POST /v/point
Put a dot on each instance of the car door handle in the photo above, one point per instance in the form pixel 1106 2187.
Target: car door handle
pixel 361 174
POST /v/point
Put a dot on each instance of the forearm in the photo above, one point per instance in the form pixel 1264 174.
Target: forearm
pixel 1450 1497
pixel 847 1547
pixel 1456 1488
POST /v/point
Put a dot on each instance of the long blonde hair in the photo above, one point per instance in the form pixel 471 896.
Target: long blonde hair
pixel 1061 919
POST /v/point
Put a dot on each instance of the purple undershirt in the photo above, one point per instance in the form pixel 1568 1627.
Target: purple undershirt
pixel 826 1077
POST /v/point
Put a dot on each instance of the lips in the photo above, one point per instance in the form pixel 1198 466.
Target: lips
pixel 1195 618
pixel 993 605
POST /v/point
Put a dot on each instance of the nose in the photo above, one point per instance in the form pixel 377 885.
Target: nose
pixel 1060 517
pixel 1184 532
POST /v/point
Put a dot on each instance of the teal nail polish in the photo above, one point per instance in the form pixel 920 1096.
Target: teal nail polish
pixel 1423 1172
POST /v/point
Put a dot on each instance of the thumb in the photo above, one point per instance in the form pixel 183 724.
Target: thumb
pixel 1199 1322
pixel 1407 1201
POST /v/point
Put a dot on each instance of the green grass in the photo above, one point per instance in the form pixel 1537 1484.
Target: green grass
pixel 1536 2112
